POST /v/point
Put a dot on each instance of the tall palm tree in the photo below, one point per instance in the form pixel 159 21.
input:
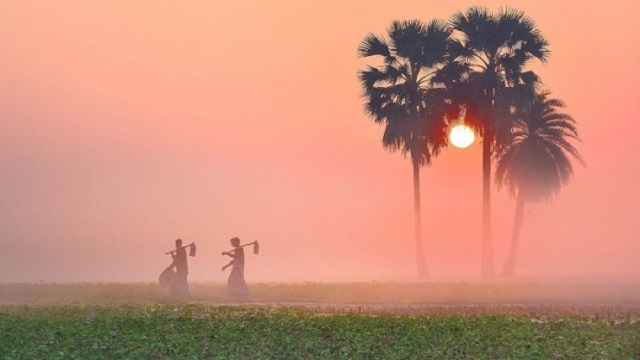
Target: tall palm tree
pixel 495 48
pixel 401 93
pixel 535 161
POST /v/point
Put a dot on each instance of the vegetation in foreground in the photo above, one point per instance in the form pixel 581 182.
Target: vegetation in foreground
pixel 322 321
pixel 191 331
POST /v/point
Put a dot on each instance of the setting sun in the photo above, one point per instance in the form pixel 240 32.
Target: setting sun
pixel 461 136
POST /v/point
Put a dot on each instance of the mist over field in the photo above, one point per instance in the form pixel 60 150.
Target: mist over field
pixel 125 126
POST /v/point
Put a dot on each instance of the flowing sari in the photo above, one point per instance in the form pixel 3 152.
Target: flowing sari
pixel 180 286
pixel 236 285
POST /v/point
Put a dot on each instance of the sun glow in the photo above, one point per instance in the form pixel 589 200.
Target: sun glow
pixel 461 136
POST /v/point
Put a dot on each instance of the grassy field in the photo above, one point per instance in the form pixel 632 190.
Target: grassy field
pixel 321 321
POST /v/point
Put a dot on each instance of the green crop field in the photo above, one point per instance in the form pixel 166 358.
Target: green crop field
pixel 280 321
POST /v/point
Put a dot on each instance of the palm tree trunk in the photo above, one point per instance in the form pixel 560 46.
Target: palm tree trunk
pixel 423 272
pixel 487 251
pixel 510 265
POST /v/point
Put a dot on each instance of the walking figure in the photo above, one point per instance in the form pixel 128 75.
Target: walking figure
pixel 236 285
pixel 180 286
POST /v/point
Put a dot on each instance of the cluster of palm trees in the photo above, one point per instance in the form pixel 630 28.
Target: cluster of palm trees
pixel 471 69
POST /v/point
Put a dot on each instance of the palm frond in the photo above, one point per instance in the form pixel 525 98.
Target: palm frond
pixel 371 76
pixel 373 45
pixel 406 37
pixel 523 33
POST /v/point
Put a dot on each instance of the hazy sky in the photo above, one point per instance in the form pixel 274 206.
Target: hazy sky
pixel 125 125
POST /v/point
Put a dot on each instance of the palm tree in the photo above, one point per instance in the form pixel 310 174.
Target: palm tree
pixel 495 48
pixel 535 162
pixel 401 94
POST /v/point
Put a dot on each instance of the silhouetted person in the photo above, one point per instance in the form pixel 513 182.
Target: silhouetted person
pixel 180 285
pixel 236 285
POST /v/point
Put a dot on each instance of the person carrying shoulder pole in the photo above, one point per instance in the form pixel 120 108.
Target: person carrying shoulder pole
pixel 236 284
pixel 180 286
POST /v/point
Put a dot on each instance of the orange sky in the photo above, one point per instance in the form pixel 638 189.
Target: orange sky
pixel 125 125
